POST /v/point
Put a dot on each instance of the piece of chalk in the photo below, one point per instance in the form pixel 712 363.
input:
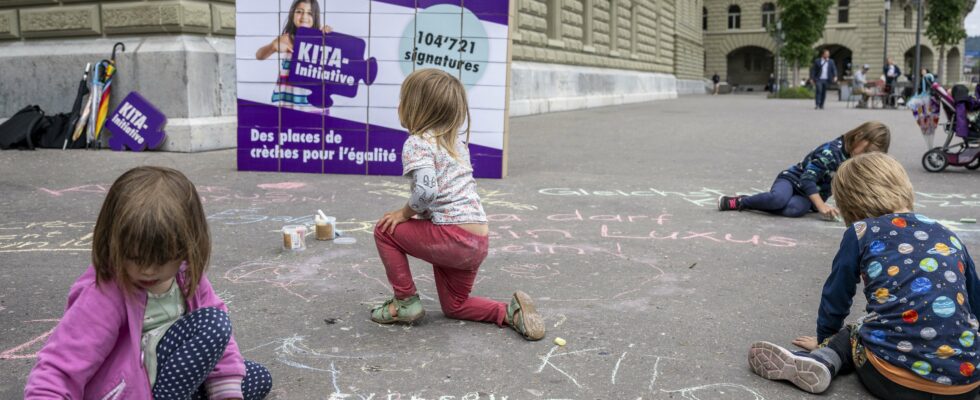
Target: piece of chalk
pixel 322 215
pixel 968 220
pixel 559 341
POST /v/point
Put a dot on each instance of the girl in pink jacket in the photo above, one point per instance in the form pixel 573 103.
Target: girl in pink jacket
pixel 143 321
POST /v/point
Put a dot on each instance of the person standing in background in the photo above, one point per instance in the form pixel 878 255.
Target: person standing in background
pixel 892 72
pixel 823 73
pixel 716 80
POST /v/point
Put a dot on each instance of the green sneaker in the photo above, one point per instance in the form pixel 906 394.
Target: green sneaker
pixel 522 316
pixel 408 311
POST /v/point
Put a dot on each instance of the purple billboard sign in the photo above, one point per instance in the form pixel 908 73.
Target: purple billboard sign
pixel 322 94
pixel 136 124
pixel 324 63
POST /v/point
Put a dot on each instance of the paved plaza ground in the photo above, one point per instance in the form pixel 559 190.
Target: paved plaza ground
pixel 607 218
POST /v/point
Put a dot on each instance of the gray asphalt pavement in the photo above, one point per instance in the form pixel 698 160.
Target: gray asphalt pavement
pixel 607 218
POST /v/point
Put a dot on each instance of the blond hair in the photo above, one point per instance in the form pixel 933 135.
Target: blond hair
pixel 875 133
pixel 432 100
pixel 151 216
pixel 871 185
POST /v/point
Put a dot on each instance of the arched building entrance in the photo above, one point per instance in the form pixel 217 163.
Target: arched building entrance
pixel 749 67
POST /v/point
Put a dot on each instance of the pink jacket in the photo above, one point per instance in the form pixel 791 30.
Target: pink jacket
pixel 94 353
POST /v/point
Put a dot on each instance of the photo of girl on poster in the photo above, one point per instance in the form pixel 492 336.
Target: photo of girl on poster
pixel 305 14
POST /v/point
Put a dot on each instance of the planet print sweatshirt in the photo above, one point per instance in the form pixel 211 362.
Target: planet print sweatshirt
pixel 921 287
pixel 816 171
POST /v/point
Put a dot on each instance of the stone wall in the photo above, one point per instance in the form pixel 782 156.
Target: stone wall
pixel 29 19
pixel 179 55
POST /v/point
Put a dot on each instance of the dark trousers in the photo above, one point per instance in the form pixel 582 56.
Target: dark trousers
pixel 189 351
pixel 780 200
pixel 821 91
pixel 875 382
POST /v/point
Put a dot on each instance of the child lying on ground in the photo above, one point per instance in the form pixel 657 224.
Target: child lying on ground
pixel 805 187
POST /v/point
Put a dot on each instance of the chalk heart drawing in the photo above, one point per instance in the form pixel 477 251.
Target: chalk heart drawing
pixel 530 271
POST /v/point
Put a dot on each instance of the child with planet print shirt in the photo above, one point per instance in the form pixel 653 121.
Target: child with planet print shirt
pixel 917 340
pixel 806 186
pixel 443 221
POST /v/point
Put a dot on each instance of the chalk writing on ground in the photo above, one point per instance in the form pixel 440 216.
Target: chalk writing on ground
pixel 558 361
pixel 707 197
pixel 16 237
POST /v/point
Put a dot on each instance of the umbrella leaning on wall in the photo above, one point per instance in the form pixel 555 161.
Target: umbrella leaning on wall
pixel 101 89
pixel 77 118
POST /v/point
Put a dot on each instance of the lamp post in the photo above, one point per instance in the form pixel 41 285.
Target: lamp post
pixel 779 37
pixel 918 45
pixel 888 7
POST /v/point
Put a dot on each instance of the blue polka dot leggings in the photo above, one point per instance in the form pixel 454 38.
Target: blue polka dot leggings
pixel 189 351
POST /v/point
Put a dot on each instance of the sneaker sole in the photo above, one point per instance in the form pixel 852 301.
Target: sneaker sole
pixel 720 207
pixel 776 363
pixel 398 319
pixel 533 323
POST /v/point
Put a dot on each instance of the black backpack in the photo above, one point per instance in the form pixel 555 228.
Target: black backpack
pixel 20 131
pixel 29 128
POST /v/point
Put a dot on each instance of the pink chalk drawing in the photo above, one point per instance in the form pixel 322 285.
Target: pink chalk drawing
pixel 18 352
pixel 282 185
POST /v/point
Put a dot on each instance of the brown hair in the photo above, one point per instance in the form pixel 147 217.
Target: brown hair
pixel 151 216
pixel 875 133
pixel 432 100
pixel 290 27
pixel 871 185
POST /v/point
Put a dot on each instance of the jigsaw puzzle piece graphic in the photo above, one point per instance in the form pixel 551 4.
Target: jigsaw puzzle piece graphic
pixel 136 124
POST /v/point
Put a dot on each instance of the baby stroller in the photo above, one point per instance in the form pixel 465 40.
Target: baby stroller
pixel 961 111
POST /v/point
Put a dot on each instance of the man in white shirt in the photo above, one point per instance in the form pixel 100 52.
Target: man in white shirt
pixel 860 80
pixel 823 73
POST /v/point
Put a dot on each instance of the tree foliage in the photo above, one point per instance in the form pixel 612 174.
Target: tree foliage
pixel 944 21
pixel 803 23
pixel 944 25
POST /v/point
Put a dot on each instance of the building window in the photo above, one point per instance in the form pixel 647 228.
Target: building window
pixel 768 14
pixel 908 17
pixel 734 17
pixel 843 8
pixel 554 19
pixel 704 18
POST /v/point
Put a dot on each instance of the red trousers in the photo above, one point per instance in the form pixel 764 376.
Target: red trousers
pixel 455 255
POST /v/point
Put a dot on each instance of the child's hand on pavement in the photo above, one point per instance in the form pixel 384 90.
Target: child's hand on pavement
pixel 828 212
pixel 808 343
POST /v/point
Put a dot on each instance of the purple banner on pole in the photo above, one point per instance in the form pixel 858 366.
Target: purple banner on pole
pixel 136 124
pixel 330 64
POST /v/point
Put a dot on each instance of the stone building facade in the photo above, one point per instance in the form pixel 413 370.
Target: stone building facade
pixel 581 53
pixel 741 51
